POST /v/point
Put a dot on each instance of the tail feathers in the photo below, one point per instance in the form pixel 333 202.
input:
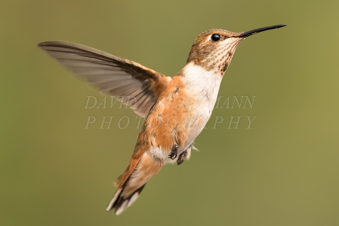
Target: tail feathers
pixel 118 180
pixel 140 170
pixel 119 203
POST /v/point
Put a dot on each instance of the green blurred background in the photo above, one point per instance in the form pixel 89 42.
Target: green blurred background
pixel 282 171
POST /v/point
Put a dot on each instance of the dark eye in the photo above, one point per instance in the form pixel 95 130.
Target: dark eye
pixel 215 37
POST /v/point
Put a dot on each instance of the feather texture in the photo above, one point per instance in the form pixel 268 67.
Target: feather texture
pixel 131 83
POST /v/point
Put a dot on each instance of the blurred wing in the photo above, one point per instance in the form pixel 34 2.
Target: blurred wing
pixel 131 83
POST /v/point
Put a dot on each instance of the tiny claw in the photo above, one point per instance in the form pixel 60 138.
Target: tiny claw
pixel 174 152
pixel 182 157
pixel 172 156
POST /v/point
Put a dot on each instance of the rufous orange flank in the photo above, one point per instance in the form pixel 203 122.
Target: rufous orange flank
pixel 176 108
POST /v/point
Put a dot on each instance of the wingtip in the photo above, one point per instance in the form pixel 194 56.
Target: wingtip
pixel 56 43
pixel 41 44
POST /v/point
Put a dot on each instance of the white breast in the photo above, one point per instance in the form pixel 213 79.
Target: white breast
pixel 204 86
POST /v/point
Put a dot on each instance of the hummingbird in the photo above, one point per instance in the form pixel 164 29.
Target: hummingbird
pixel 176 109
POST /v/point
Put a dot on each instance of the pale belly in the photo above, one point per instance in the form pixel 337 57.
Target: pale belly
pixel 195 126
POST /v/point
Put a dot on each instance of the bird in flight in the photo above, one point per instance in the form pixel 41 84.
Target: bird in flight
pixel 176 108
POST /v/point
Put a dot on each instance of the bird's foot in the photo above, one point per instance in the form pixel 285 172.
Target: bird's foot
pixel 182 157
pixel 174 152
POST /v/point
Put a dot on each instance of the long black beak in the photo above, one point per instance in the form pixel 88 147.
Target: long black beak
pixel 252 32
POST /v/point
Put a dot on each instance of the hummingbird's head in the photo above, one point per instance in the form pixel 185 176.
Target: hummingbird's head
pixel 214 49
